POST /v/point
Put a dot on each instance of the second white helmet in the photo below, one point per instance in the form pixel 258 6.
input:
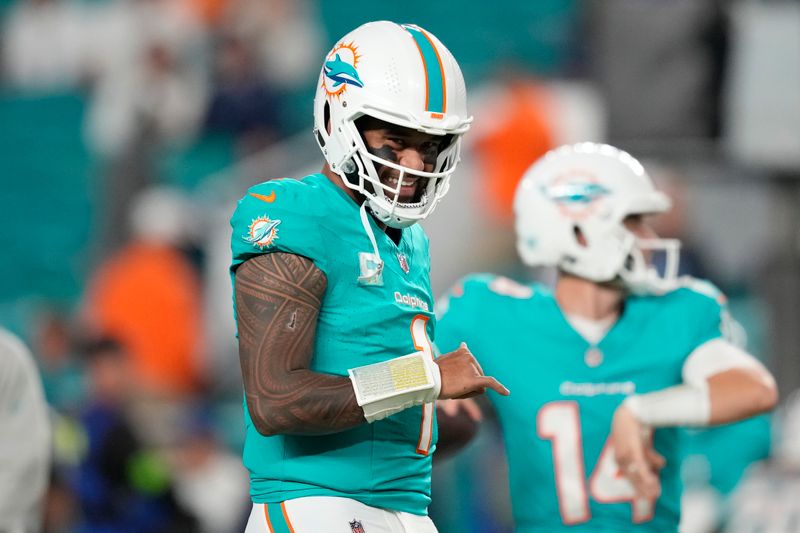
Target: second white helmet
pixel 588 190
pixel 399 74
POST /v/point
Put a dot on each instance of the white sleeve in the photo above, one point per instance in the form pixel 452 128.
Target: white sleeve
pixel 689 403
pixel 719 355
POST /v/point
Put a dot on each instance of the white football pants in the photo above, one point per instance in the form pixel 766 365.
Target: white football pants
pixel 325 514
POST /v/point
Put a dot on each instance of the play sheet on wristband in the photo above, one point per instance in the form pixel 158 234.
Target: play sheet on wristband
pixel 390 378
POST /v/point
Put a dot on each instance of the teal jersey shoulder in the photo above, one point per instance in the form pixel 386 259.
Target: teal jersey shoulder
pixel 280 215
pixel 564 391
pixel 385 464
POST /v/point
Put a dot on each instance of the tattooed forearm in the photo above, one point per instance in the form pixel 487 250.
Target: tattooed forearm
pixel 278 297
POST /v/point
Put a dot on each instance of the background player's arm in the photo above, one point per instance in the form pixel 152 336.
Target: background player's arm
pixel 722 384
pixel 739 393
pixel 278 297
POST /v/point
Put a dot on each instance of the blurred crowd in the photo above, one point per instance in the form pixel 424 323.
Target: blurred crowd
pixel 139 439
pixel 160 75
pixel 165 71
pixel 140 370
pixel 142 438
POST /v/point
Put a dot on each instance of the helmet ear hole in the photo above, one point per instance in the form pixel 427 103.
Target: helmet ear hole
pixel 629 262
pixel 579 236
pixel 326 116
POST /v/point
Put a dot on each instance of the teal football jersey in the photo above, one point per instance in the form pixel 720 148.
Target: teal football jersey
pixel 564 391
pixel 385 464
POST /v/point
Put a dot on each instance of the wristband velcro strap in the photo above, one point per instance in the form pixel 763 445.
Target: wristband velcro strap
pixel 383 389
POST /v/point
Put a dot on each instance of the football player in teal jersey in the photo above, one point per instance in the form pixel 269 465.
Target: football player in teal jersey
pixel 333 301
pixel 607 366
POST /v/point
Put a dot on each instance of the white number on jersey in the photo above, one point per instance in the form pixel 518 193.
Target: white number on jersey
pixel 560 423
pixel 419 334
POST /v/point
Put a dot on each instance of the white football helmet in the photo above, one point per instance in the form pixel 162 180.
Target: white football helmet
pixel 403 75
pixel 590 189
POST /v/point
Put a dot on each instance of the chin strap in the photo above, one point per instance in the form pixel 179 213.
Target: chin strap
pixel 370 233
pixel 371 264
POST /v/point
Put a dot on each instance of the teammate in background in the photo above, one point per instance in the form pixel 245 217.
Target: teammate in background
pixel 333 299
pixel 24 439
pixel 615 351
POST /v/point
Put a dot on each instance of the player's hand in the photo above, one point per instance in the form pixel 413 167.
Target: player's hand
pixel 462 376
pixel 634 453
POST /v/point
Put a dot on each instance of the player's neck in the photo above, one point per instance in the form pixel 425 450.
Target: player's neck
pixel 586 299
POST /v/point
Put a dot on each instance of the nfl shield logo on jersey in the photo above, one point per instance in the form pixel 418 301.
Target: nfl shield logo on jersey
pixel 401 258
pixel 356 527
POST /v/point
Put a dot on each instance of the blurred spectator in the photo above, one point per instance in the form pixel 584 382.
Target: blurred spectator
pixel 243 103
pixel 148 92
pixel 209 12
pixel 157 102
pixel 24 438
pixel 517 135
pixel 147 295
pixel 122 31
pixel 121 486
pixel 62 374
pixel 209 481
pixel 43 44
pixel 768 499
pixel 157 99
pixel 285 36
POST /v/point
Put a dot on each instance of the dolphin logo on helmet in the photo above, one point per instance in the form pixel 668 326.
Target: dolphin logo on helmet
pixel 582 193
pixel 341 72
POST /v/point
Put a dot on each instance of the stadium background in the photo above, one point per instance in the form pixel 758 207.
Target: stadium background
pixel 128 129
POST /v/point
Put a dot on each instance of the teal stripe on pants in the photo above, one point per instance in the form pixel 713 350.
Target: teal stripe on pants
pixel 276 518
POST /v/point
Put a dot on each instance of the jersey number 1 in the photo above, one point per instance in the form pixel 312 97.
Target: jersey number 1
pixel 419 334
pixel 560 423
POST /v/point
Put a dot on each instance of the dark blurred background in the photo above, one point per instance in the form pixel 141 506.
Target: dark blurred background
pixel 129 128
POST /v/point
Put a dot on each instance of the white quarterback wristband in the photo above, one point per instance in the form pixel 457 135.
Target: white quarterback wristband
pixel 681 405
pixel 383 389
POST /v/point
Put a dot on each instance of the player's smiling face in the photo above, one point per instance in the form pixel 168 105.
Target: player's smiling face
pixel 412 149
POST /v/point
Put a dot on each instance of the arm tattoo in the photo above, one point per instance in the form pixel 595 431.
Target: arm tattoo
pixel 278 297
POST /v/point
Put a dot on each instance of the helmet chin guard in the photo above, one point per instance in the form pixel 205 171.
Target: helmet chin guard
pixel 402 75
pixel 641 277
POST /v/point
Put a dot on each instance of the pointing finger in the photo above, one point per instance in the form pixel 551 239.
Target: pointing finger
pixel 491 383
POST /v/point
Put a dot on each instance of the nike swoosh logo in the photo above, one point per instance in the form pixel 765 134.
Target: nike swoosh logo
pixel 264 198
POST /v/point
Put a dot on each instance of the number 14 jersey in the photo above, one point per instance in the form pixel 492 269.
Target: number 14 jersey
pixel 564 392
